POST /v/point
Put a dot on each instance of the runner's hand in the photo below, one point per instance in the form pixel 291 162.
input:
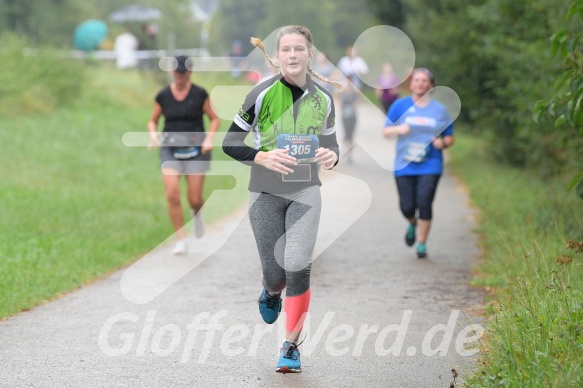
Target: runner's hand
pixel 396 130
pixel 438 143
pixel 275 160
pixel 326 158
pixel 154 142
pixel 207 145
pixel 403 129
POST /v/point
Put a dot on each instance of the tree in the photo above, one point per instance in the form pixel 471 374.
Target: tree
pixel 565 106
pixel 235 20
pixel 314 15
pixel 389 12
pixel 334 23
pixel 494 54
pixel 351 19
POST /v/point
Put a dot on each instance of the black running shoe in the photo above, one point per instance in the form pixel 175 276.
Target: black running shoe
pixel 410 235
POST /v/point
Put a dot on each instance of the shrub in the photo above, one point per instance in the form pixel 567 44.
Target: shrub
pixel 36 80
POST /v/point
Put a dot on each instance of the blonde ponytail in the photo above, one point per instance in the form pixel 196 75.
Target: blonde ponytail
pixel 337 85
pixel 259 44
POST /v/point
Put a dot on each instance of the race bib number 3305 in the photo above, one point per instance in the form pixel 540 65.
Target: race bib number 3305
pixel 301 147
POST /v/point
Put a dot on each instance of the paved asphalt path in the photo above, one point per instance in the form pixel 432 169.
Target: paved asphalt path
pixel 378 316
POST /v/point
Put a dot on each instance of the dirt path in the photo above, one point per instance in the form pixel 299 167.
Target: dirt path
pixel 378 314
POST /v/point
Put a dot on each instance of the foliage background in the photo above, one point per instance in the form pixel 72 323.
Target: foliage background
pixel 516 65
pixel 496 54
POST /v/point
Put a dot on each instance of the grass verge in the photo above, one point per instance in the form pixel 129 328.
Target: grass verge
pixel 77 203
pixel 532 232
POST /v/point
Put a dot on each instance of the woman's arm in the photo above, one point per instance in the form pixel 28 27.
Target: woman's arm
pixel 275 160
pixel 153 126
pixel 396 130
pixel 234 145
pixel 329 152
pixel 443 142
pixel 207 108
pixel 391 129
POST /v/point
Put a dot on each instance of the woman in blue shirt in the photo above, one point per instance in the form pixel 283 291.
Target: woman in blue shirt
pixel 424 128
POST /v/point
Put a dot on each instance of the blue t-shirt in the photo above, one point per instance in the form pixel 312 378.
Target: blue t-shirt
pixel 415 152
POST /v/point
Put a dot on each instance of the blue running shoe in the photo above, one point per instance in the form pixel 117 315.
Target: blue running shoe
pixel 410 235
pixel 289 359
pixel 269 306
pixel 421 250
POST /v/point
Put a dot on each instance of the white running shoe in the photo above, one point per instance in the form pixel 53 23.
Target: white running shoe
pixel 198 225
pixel 180 248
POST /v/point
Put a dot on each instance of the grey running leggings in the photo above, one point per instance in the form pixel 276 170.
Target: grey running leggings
pixel 285 228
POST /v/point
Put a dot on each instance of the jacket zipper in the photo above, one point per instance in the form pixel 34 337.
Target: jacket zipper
pixel 296 106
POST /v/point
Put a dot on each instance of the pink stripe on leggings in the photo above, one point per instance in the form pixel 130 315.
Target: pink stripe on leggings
pixel 295 309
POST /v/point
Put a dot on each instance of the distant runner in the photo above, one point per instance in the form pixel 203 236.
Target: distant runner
pixel 186 148
pixel 424 128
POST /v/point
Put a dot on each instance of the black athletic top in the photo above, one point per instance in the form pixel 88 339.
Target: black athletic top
pixel 186 115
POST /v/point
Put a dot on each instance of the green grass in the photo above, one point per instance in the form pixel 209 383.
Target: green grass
pixel 35 83
pixel 75 202
pixel 535 337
